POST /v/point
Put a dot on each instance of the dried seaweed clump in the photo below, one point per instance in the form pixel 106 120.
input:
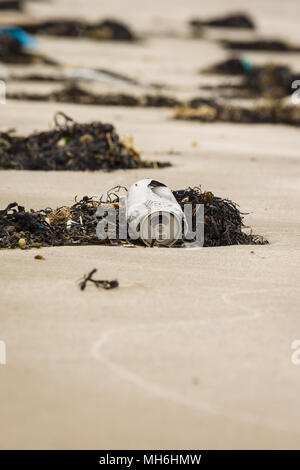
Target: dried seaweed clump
pixel 75 75
pixel 238 20
pixel 12 52
pixel 12 5
pixel 76 225
pixel 223 224
pixel 72 93
pixel 204 110
pixel 71 146
pixel 270 81
pixel 102 30
pixel 230 66
pixel 63 226
pixel 260 45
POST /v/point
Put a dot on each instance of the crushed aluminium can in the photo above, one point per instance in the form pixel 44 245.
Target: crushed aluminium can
pixel 153 214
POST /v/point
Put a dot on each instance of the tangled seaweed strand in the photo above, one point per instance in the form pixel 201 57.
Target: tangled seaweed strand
pixel 12 52
pixel 238 20
pixel 223 222
pixel 12 5
pixel 270 80
pixel 259 83
pixel 76 225
pixel 71 77
pixel 71 146
pixel 260 45
pixel 230 66
pixel 72 93
pixel 99 283
pixel 204 110
pixel 103 30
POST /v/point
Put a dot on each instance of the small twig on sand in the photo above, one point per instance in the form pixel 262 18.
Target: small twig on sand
pixel 98 283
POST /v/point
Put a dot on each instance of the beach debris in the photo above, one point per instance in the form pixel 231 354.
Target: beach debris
pixel 271 80
pixel 260 45
pixel 223 222
pixel 13 51
pixel 12 5
pixel 20 35
pixel 104 75
pixel 40 257
pixel 230 66
pixel 37 77
pixel 107 29
pixel 97 282
pixel 235 20
pixel 22 242
pixel 77 75
pixel 72 93
pixel 204 110
pixel 73 75
pixel 71 146
pixel 153 214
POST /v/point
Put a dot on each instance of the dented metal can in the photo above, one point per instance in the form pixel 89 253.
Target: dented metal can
pixel 153 214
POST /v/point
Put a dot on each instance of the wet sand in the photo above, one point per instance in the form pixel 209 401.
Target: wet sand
pixel 194 349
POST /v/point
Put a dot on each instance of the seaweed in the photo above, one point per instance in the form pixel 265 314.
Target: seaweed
pixel 13 52
pixel 270 80
pixel 223 221
pixel 230 66
pixel 235 20
pixel 75 75
pixel 275 45
pixel 76 225
pixel 99 283
pixel 71 146
pixel 211 111
pixel 102 30
pixel 11 5
pixel 72 93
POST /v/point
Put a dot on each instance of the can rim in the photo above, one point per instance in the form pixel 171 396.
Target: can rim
pixel 177 229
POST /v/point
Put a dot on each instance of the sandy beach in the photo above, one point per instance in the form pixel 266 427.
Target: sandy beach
pixel 193 350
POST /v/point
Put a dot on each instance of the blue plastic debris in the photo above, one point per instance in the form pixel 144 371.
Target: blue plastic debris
pixel 247 65
pixel 20 35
